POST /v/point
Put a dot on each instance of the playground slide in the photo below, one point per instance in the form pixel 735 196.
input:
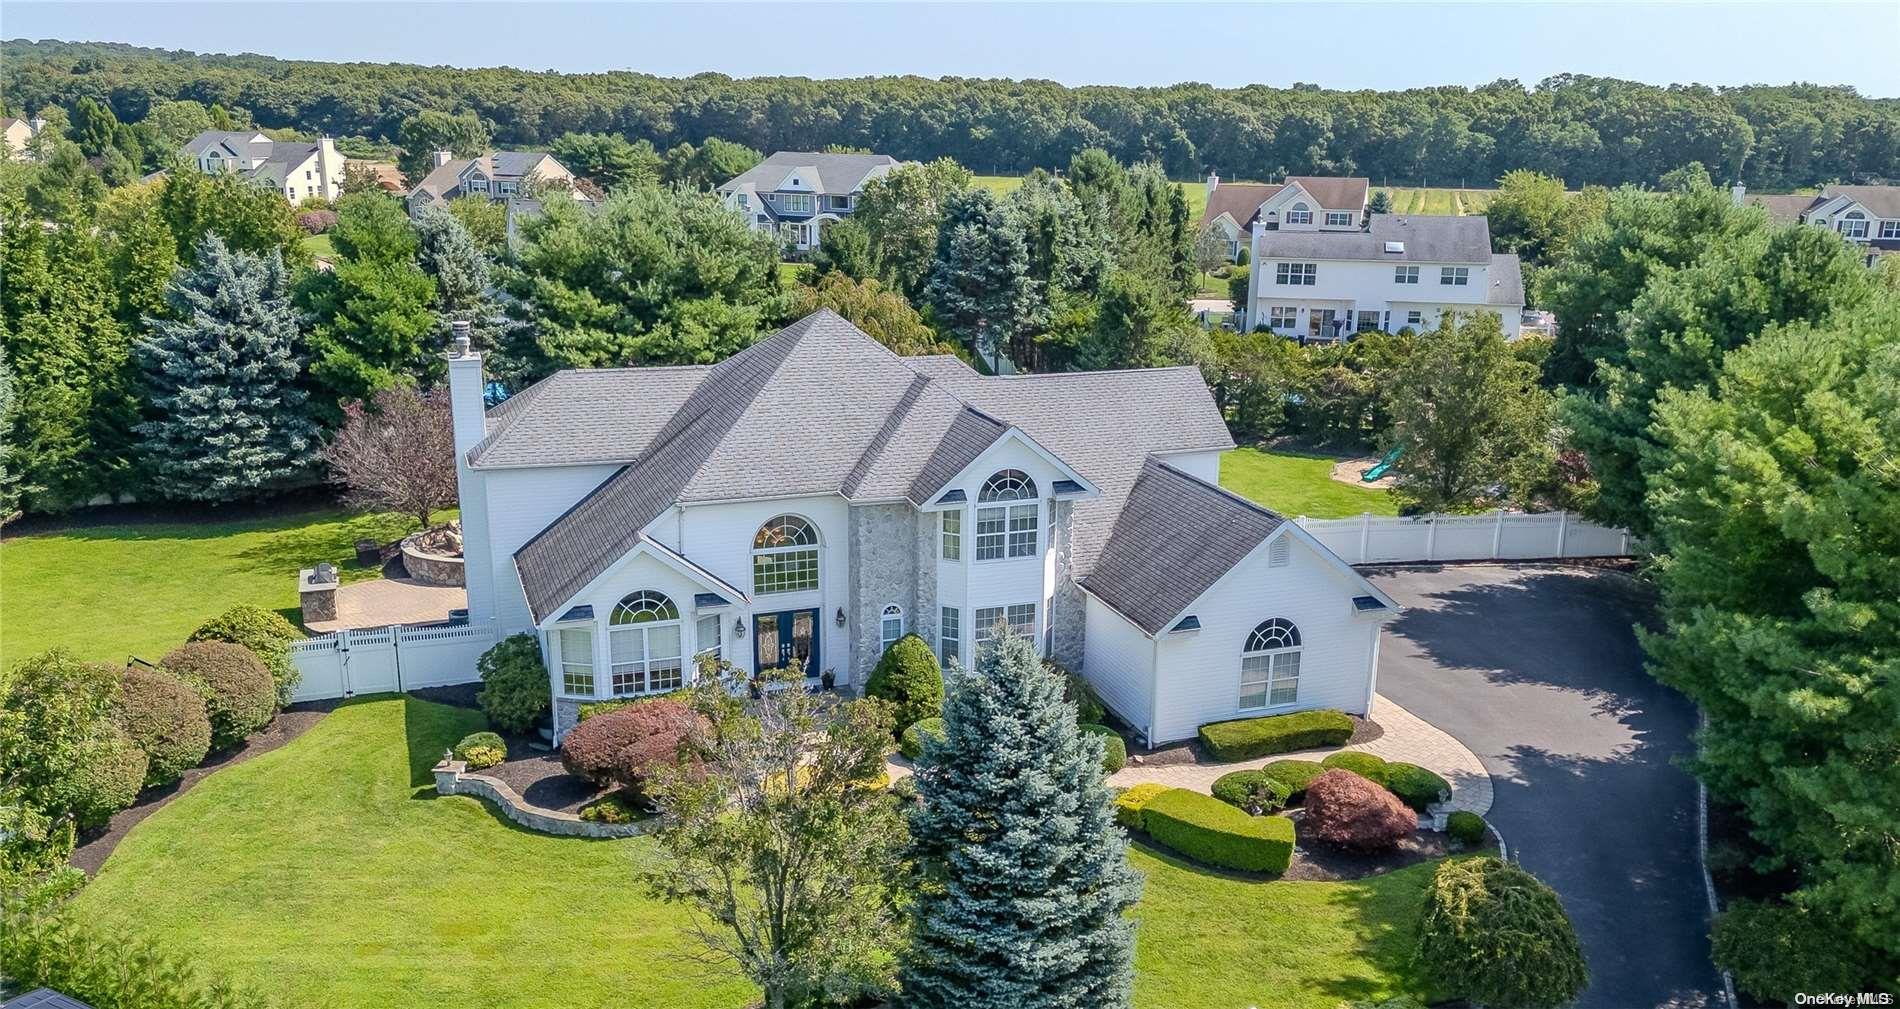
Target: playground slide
pixel 1384 464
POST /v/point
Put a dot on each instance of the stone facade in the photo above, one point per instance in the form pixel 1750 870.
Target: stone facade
pixel 567 714
pixel 431 568
pixel 1068 615
pixel 885 570
pixel 452 778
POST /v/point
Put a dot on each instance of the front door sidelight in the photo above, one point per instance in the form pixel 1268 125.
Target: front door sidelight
pixel 778 638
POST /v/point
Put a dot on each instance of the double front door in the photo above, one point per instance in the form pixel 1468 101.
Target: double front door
pixel 778 638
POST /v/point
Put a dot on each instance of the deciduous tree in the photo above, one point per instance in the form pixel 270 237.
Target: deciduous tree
pixel 902 211
pixel 880 312
pixel 397 452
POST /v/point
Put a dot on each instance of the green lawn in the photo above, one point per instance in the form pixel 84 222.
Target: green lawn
pixel 1416 200
pixel 110 591
pixel 1296 485
pixel 320 246
pixel 1196 192
pixel 328 873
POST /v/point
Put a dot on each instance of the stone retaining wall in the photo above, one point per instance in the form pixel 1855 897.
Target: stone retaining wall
pixel 453 778
pixel 431 568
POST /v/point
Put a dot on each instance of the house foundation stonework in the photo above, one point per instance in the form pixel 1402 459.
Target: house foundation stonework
pixel 815 496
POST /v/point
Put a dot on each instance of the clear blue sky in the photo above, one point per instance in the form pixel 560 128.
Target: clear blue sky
pixel 1337 45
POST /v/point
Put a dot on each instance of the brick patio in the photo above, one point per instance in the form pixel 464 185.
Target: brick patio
pixel 383 601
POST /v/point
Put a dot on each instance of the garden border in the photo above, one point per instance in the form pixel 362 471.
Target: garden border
pixel 452 777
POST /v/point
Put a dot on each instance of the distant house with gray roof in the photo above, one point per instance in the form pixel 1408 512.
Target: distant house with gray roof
pixel 1868 216
pixel 300 170
pixel 497 175
pixel 816 497
pixel 796 193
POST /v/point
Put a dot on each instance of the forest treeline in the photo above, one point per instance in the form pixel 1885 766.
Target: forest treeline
pixel 1581 129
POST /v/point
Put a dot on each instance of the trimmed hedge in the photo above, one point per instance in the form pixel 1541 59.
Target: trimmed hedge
pixel 107 776
pixel 1130 805
pixel 587 711
pixel 1414 785
pixel 1777 951
pixel 909 676
pixel 1345 809
pixel 1114 747
pixel 1497 935
pixel 166 717
pixel 481 750
pixel 1365 765
pixel 515 694
pixel 1467 828
pixel 1296 774
pixel 266 633
pixel 1208 830
pixel 622 747
pixel 911 743
pixel 240 696
pixel 615 808
pixel 1254 792
pixel 1247 738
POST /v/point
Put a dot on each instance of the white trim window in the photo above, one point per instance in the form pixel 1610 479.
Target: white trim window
pixel 1405 275
pixel 478 185
pixel 1020 618
pixel 1853 224
pixel 576 645
pixel 890 626
pixel 1299 214
pixel 1415 317
pixel 951 524
pixel 949 635
pixel 1006 530
pixel 1283 317
pixel 785 556
pixel 795 203
pixel 1454 276
pixel 507 187
pixel 1890 229
pixel 707 639
pixel 1270 666
pixel 643 642
pixel 1296 274
pixel 1339 218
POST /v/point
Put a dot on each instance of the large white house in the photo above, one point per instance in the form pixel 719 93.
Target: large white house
pixel 298 169
pixel 796 193
pixel 1868 216
pixel 1323 267
pixel 816 497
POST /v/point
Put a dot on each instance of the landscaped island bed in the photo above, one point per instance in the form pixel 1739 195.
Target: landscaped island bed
pixel 328 873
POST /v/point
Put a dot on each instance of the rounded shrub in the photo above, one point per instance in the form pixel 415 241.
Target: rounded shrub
pixel 1252 791
pixel 1346 810
pixel 1130 805
pixel 1364 765
pixel 1497 935
pixel 1208 830
pixel 1467 828
pixel 908 676
pixel 1114 747
pixel 1076 690
pixel 1414 785
pixel 481 749
pixel 166 717
pixel 266 633
pixel 1296 774
pixel 240 697
pixel 911 742
pixel 108 774
pixel 515 694
pixel 622 747
pixel 615 808
pixel 1777 951
pixel 1247 738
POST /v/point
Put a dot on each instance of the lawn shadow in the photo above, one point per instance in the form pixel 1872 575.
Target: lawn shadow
pixel 429 730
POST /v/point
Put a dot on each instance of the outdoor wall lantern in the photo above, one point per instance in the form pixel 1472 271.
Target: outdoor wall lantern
pixel 738 628
pixel 840 616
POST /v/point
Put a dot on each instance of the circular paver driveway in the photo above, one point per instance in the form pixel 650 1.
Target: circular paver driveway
pixel 1537 670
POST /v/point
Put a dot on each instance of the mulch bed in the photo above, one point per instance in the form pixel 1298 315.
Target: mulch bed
pixel 96 845
pixel 534 773
pixel 1188 751
pixel 1322 863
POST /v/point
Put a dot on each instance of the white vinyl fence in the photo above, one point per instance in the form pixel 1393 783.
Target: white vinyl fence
pixel 1499 535
pixel 378 660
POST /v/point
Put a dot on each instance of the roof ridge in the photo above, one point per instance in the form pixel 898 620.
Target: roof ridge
pixel 881 440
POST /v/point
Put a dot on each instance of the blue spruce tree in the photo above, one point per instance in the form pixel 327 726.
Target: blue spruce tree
pixel 1023 874
pixel 226 418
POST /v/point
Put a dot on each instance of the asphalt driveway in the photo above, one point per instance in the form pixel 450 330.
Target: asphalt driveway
pixel 1536 669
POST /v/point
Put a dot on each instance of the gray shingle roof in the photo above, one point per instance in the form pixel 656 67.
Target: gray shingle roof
pixel 1241 200
pixel 866 424
pixel 835 174
pixel 1507 281
pixel 45 998
pixel 1334 192
pixel 1784 209
pixel 1883 201
pixel 1427 239
pixel 1175 538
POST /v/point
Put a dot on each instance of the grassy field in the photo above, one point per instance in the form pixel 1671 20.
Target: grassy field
pixel 1414 200
pixel 329 873
pixel 110 591
pixel 1003 185
pixel 1296 485
pixel 320 246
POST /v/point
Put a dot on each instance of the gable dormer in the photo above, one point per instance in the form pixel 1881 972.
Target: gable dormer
pixel 802 179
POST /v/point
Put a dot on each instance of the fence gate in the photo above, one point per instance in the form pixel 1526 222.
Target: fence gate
pixel 376 660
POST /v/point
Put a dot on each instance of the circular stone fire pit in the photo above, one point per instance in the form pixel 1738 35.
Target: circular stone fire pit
pixel 434 556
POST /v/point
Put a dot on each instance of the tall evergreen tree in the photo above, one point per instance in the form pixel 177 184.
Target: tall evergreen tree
pixel 902 211
pixel 10 489
pixel 374 314
pixel 979 283
pixel 462 283
pixel 227 418
pixel 1023 875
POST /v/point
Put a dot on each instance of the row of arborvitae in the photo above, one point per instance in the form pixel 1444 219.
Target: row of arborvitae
pixel 78 742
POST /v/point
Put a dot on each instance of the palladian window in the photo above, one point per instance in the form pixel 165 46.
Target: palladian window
pixel 1004 529
pixel 643 636
pixel 1270 665
pixel 785 556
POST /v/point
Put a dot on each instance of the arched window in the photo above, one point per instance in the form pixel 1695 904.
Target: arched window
pixel 1299 213
pixel 785 556
pixel 1854 224
pixel 891 625
pixel 1004 529
pixel 1270 665
pixel 643 637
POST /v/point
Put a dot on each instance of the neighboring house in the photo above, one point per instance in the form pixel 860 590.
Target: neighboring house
pixel 1868 216
pixel 388 176
pixel 498 175
pixel 796 193
pixel 1325 268
pixel 297 169
pixel 1309 202
pixel 19 133
pixel 817 497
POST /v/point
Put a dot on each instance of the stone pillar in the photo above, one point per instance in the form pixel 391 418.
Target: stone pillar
pixel 1068 618
pixel 884 571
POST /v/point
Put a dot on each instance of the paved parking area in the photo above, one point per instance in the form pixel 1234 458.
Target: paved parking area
pixel 1537 670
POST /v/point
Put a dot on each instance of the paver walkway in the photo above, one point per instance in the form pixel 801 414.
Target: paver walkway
pixel 382 601
pixel 1407 737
